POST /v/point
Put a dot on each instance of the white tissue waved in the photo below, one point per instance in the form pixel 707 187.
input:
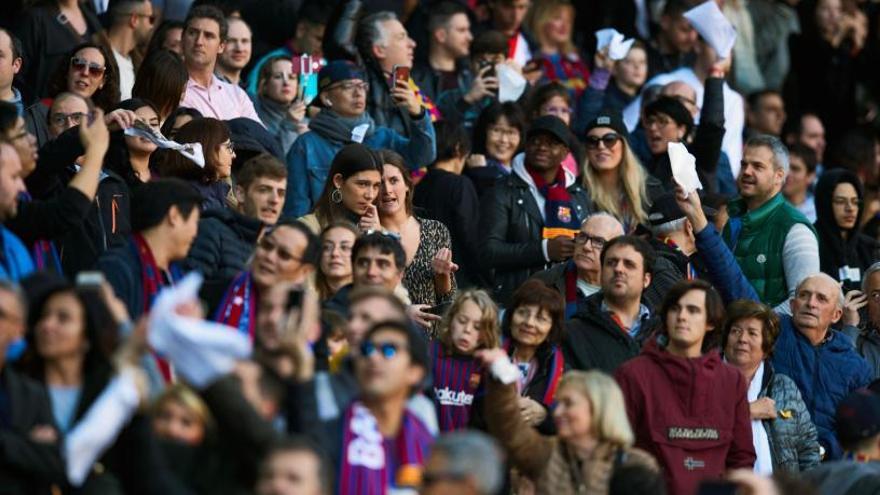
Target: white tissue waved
pixel 710 22
pixel 192 151
pixel 505 371
pixel 511 83
pixel 200 351
pixel 617 46
pixel 684 167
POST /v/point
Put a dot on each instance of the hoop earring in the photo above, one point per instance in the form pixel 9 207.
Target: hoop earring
pixel 336 196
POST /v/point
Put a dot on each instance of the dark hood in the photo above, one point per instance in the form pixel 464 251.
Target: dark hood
pixel 834 250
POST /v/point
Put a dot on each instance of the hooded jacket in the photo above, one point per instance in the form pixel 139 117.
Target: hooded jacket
pixel 857 250
pixel 691 414
pixel 225 241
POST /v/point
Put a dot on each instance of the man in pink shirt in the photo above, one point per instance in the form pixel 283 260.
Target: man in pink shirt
pixel 204 38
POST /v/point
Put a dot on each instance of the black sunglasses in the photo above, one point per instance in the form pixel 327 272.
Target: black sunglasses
pixel 608 140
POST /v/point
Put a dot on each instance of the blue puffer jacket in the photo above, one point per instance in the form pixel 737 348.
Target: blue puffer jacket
pixel 308 161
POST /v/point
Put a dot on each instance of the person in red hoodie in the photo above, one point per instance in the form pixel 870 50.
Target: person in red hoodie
pixel 687 407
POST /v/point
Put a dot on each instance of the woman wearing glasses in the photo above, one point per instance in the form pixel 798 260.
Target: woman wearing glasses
pixel 617 183
pixel 344 119
pixel 279 103
pixel 212 179
pixel 844 251
pixel 499 135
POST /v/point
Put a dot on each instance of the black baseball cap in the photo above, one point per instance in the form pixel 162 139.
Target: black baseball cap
pixel 553 126
pixel 608 118
pixel 858 417
pixel 665 209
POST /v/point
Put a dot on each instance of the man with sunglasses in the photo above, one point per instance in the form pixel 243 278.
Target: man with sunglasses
pixel 131 25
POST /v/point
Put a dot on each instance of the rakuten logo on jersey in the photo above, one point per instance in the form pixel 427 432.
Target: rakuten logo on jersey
pixel 448 397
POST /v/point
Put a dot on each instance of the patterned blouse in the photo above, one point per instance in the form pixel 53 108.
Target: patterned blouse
pixel 419 276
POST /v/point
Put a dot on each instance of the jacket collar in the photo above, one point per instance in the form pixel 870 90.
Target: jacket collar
pixel 518 165
pixel 739 209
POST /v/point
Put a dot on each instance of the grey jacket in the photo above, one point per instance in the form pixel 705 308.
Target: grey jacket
pixel 836 478
pixel 867 345
pixel 794 444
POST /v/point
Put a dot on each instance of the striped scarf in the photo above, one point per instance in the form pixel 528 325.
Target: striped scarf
pixel 238 308
pixel 560 218
pixel 426 102
pixel 571 290
pixel 554 374
pixel 372 464
pixel 456 381
pixel 569 70
pixel 691 271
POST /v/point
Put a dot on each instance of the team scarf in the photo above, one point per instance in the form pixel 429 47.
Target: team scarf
pixel 152 282
pixel 44 251
pixel 456 381
pixel 426 102
pixel 557 369
pixel 569 70
pixel 571 290
pixel 560 218
pixel 691 271
pixel 370 464
pixel 238 308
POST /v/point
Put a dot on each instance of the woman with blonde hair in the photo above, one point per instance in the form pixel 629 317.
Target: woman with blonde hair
pixel 612 174
pixel 593 438
pixel 180 415
pixel 552 24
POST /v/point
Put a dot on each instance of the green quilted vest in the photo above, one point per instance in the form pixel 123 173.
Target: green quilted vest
pixel 758 248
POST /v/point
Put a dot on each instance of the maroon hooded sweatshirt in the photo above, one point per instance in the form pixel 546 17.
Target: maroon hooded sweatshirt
pixel 691 414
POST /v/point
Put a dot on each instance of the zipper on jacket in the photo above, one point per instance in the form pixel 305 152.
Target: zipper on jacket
pixel 101 223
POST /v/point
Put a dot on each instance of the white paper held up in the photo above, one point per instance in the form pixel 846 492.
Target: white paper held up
pixel 617 46
pixel 192 151
pixel 684 167
pixel 511 83
pixel 710 22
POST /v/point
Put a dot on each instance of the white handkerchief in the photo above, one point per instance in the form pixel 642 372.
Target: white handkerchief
pixel 359 132
pixel 708 20
pixel 192 151
pixel 617 47
pixel 511 83
pixel 684 167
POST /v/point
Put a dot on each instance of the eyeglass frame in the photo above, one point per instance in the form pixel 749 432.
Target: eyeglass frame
pixel 76 117
pixel 582 238
pixel 87 66
pixel 592 142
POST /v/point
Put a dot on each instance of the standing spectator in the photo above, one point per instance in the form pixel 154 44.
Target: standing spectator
pixel 765 113
pixel 508 17
pixel 867 338
pixel 774 243
pixel 844 251
pixel 131 25
pixel 450 198
pixel 784 437
pixel 278 103
pixel 137 170
pixel 450 40
pixel 554 99
pixel 47 32
pixel 335 270
pixel 10 65
pixel 613 85
pixel 236 53
pixel 343 119
pixel 469 463
pixel 204 38
pixel 704 428
pixel 161 79
pixel 67 110
pixel 593 440
pixel 809 131
pixel 551 23
pixel 673 46
pixel 430 272
pixel 777 22
pixel 211 180
pixel 28 426
pixel 529 218
pixel 616 181
pixel 16 262
pixel 801 177
pixel 610 326
pixel 580 277
pixel 227 236
pixel 499 135
pixel 164 219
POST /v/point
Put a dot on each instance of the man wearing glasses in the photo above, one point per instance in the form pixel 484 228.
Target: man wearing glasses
pixel 866 336
pixel 131 25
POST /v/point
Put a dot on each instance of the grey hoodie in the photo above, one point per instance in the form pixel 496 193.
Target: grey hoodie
pixel 835 478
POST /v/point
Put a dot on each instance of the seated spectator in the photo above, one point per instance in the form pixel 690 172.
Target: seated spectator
pixel 469 326
pixel 227 236
pixel 808 129
pixel 680 373
pixel 448 197
pixel 350 192
pixel 616 181
pixel 858 429
pixel 783 435
pixel 430 273
pixel 464 462
pixel 579 277
pixel 10 47
pixel 67 110
pixel 294 465
pixel 161 79
pixel 867 338
pixel 532 330
pixel 164 219
pixel 844 251
pixel 179 415
pixel 554 99
pixel 593 433
pixel 335 271
pixel 343 120
pixel 499 135
pixel 551 23
pixel 236 52
pixel 800 179
pixel 368 306
pixel 204 38
pixel 209 181
pixel 138 170
pixel 610 327
pixel 178 119
pixel 31 426
pixel 528 220
pixel 765 113
pixel 279 103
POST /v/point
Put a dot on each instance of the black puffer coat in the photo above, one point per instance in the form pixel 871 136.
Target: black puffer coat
pixel 225 242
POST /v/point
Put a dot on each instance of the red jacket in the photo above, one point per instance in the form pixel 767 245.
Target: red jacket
pixel 691 414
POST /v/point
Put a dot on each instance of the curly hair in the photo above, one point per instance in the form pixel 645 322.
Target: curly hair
pixel 107 97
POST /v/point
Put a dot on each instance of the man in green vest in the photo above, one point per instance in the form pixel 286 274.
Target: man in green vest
pixel 774 243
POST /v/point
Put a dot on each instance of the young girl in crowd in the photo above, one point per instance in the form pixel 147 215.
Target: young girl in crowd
pixel 179 415
pixel 471 324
